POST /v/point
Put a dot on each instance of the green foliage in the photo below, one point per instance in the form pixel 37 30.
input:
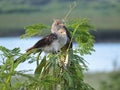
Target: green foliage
pixel 7 68
pixel 33 30
pixel 113 83
pixel 79 29
pixel 62 71
pixel 23 13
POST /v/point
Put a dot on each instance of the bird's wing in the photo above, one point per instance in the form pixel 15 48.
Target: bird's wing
pixel 69 37
pixel 47 40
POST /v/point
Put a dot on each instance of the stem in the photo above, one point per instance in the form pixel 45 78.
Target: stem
pixel 8 78
pixel 70 10
pixel 38 58
pixel 72 36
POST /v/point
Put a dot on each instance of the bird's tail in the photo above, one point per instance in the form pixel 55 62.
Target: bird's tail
pixel 29 49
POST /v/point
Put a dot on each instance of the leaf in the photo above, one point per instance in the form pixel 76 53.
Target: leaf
pixel 80 61
pixel 80 30
pixel 33 30
pixel 68 79
pixel 27 76
pixel 21 59
pixel 10 53
pixel 39 68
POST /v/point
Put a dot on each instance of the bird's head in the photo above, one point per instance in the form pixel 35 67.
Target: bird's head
pixel 61 32
pixel 56 25
pixel 62 36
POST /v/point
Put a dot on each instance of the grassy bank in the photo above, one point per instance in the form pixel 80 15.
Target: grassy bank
pixel 15 21
pixel 95 79
pixel 18 14
pixel 104 15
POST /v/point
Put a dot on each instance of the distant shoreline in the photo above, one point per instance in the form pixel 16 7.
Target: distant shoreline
pixel 107 35
pixel 100 35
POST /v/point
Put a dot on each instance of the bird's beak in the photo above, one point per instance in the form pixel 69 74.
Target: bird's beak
pixel 64 33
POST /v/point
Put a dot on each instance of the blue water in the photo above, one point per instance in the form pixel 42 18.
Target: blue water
pixel 101 60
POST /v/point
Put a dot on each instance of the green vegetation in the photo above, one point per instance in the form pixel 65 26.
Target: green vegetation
pixel 104 80
pixel 112 83
pixel 95 79
pixel 62 71
pixel 16 14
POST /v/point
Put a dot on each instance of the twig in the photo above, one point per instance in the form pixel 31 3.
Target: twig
pixel 38 58
pixel 72 36
pixel 70 10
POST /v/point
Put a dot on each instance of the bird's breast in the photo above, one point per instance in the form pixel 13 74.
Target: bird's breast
pixel 63 40
pixel 53 47
pixel 56 45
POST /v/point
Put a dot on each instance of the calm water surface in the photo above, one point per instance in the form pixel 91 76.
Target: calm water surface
pixel 101 60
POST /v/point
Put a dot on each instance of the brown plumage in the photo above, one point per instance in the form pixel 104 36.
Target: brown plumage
pixel 52 42
pixel 47 40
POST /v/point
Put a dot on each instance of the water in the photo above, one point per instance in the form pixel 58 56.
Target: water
pixel 101 60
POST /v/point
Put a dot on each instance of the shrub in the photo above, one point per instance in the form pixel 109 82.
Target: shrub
pixel 50 72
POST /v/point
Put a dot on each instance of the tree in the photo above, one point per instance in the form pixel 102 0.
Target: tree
pixel 51 72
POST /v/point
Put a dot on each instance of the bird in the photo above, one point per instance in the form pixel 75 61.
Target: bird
pixel 51 43
pixel 57 23
pixel 66 50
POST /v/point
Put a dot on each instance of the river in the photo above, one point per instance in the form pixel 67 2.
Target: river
pixel 102 59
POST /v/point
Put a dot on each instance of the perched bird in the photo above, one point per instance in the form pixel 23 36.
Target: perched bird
pixel 64 59
pixel 54 29
pixel 52 42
